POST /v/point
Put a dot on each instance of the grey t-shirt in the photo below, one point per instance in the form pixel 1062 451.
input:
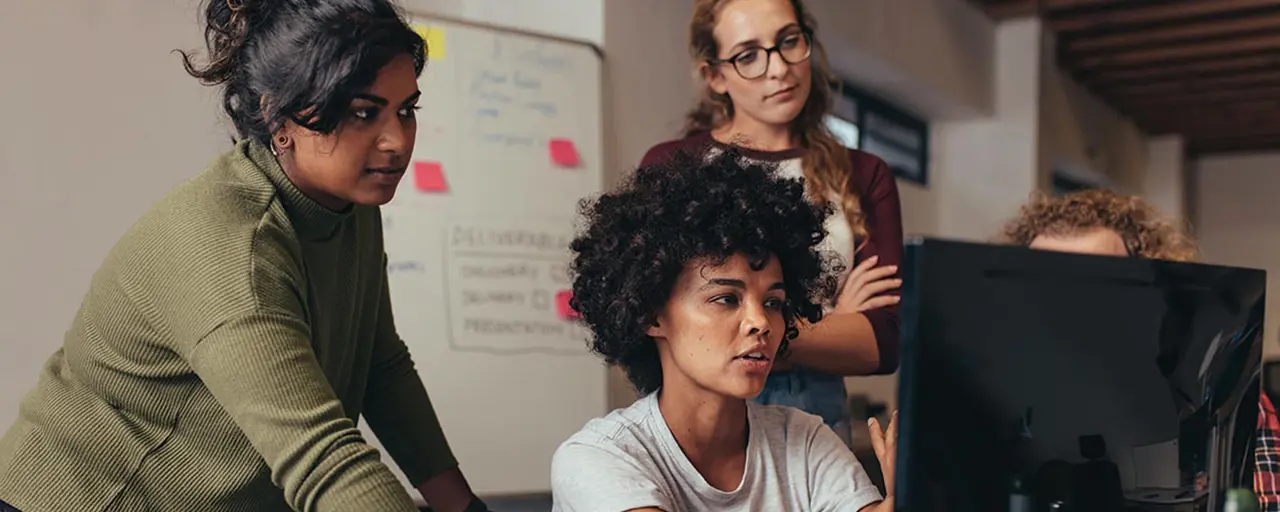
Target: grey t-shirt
pixel 629 459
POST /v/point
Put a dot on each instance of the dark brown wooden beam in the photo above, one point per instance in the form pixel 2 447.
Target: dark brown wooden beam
pixel 1196 69
pixel 1172 34
pixel 1226 136
pixel 1194 86
pixel 1202 126
pixel 1175 53
pixel 1239 115
pixel 1207 99
pixel 1143 14
pixel 1235 137
pixel 1208 134
pixel 1005 9
pixel 1010 9
pixel 1235 145
pixel 1227 115
pixel 1059 5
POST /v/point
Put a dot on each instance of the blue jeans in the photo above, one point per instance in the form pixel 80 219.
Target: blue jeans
pixel 5 507
pixel 814 392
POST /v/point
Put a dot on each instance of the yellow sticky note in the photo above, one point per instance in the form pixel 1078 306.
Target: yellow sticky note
pixel 434 36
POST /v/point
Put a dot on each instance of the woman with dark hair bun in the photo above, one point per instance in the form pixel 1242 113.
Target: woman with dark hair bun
pixel 236 333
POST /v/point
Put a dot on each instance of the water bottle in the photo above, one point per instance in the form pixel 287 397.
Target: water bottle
pixel 1240 500
pixel 1019 497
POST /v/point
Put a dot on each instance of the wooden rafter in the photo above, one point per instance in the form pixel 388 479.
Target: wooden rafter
pixel 1177 35
pixel 1212 98
pixel 1192 85
pixel 1122 13
pixel 1236 144
pixel 1173 53
pixel 1206 69
pixel 1194 69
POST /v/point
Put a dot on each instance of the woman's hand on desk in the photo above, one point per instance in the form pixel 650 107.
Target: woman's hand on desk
pixel 866 286
pixel 450 492
pixel 885 444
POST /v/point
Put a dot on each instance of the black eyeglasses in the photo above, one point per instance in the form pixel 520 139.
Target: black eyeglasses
pixel 754 63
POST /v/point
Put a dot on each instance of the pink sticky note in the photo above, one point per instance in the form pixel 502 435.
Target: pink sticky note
pixel 429 177
pixel 562 305
pixel 563 152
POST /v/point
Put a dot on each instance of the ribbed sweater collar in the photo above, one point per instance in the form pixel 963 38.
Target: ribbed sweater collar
pixel 312 221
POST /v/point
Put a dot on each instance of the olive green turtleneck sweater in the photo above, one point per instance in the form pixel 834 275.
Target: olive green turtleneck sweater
pixel 220 361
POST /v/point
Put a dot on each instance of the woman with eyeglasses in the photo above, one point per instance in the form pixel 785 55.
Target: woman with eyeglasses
pixel 767 92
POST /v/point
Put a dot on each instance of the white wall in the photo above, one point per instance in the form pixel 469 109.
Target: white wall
pixel 1164 184
pixel 581 20
pixel 651 86
pixel 932 56
pixel 1080 132
pixel 649 76
pixel 988 167
pixel 100 120
pixel 1237 205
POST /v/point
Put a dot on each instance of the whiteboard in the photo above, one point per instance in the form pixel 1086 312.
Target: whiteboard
pixel 477 244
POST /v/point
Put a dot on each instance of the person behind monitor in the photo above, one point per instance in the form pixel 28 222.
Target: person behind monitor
pixel 1104 223
pixel 766 89
pixel 235 334
pixel 693 277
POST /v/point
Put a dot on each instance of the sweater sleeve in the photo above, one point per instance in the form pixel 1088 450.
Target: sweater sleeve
pixel 259 363
pixel 883 212
pixel 398 408
pixel 261 368
pixel 664 152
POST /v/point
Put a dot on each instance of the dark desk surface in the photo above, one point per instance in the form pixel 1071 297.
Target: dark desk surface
pixel 533 503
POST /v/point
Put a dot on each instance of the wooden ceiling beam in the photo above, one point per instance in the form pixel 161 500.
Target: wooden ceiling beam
pixel 1009 9
pixel 1181 33
pixel 1262 78
pixel 1196 69
pixel 1237 137
pixel 1227 115
pixel 1224 134
pixel 1143 14
pixel 1232 145
pixel 1224 116
pixel 1204 126
pixel 1221 98
pixel 1175 53
pixel 1266 141
pixel 1203 133
pixel 1005 9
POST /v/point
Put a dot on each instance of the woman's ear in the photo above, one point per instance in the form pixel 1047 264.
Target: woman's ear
pixel 714 78
pixel 656 330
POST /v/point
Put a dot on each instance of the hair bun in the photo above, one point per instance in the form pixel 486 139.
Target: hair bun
pixel 227 30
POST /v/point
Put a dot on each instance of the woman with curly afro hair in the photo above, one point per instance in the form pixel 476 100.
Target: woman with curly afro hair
pixel 692 278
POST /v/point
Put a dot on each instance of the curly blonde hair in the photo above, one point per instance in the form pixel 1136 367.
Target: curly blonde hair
pixel 1146 233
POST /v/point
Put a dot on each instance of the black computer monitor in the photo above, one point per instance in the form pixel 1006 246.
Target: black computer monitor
pixel 1100 383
